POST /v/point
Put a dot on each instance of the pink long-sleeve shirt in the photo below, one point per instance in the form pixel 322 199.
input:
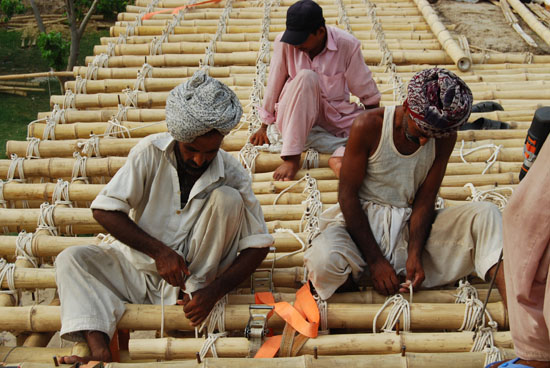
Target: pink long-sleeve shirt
pixel 341 69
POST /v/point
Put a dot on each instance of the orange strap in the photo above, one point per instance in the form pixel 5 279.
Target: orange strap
pixel 303 317
pixel 176 10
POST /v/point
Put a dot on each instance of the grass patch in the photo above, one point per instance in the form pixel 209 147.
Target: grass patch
pixel 16 112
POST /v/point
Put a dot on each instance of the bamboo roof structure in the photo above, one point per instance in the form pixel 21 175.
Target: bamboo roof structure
pixel 118 98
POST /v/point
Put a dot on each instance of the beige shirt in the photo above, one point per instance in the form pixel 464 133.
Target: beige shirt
pixel 148 184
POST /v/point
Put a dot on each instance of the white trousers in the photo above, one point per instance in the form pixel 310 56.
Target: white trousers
pixel 94 282
pixel 462 240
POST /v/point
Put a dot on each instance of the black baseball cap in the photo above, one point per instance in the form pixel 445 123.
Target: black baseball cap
pixel 302 18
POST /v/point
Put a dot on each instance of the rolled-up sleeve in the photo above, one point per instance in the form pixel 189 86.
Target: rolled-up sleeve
pixel 278 74
pixel 126 189
pixel 359 78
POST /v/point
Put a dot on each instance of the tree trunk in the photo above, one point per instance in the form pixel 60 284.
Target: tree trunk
pixel 75 48
pixel 39 22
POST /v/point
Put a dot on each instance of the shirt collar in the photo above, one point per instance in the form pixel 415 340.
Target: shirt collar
pixel 165 143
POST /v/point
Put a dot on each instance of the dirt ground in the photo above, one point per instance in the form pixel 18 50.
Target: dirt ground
pixel 485 27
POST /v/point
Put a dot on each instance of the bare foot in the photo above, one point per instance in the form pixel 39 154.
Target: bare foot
pixel 335 163
pixel 98 342
pixel 76 359
pixel 288 169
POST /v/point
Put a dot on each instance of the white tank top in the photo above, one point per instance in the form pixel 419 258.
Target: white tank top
pixel 393 178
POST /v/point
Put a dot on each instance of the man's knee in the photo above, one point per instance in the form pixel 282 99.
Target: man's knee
pixel 307 77
pixel 226 199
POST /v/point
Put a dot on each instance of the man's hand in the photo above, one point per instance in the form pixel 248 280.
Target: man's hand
pixel 260 137
pixel 197 309
pixel 171 267
pixel 384 277
pixel 415 273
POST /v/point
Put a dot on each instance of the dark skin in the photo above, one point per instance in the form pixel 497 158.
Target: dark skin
pixel 364 139
pixel 196 157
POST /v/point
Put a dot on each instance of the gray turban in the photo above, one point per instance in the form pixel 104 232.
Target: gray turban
pixel 200 105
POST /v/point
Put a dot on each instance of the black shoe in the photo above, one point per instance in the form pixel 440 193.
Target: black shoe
pixel 487 106
pixel 485 124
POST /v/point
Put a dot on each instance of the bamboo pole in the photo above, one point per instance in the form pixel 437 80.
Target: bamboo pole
pixel 531 20
pixel 462 193
pixel 40 354
pixel 462 61
pixel 344 344
pixel 412 360
pixel 426 317
pixel 41 278
pixel 370 296
pixel 51 246
pixel 36 75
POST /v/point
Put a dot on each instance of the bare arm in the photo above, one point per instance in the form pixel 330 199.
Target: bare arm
pixel 423 211
pixel 363 140
pixel 170 265
pixel 198 308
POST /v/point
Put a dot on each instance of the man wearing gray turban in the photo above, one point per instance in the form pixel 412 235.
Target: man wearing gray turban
pixel 385 224
pixel 183 217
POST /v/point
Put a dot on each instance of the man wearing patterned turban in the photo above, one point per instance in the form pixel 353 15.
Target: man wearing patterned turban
pixel 385 224
pixel 183 218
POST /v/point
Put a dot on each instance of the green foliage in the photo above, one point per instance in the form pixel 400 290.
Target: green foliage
pixel 54 49
pixel 11 7
pixel 108 8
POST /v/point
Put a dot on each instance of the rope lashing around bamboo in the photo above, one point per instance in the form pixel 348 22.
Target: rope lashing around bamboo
pixel 498 196
pixel 147 317
pixel 462 194
pixel 341 344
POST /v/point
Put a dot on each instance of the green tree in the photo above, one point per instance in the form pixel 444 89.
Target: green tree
pixel 54 49
pixel 9 8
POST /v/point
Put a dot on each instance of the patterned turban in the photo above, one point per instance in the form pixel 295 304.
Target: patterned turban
pixel 200 105
pixel 438 101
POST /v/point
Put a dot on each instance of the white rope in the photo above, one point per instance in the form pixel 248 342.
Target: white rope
pixel 49 129
pixel 23 248
pixel 30 126
pixel 111 46
pixel 122 113
pixel 69 100
pixel 311 160
pixel 302 243
pixel 465 291
pixel 400 310
pixel 3 204
pixel 490 195
pixel 492 354
pixel 61 193
pixel 58 114
pixel 7 271
pixel 116 129
pixel 46 219
pixel 99 61
pixel 80 85
pixel 155 48
pixel 490 161
pixel 323 314
pixel 33 150
pixel 90 147
pixel 16 164
pixel 131 97
pixel 439 203
pixel 139 84
pixel 247 157
pixel 214 321
pixel 473 314
pixel 79 168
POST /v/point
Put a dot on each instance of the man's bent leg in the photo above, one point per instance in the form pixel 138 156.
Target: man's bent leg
pixel 462 240
pixel 297 113
pixel 330 260
pixel 214 243
pixel 98 342
pixel 93 283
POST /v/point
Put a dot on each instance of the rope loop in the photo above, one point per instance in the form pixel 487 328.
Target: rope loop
pixel 400 310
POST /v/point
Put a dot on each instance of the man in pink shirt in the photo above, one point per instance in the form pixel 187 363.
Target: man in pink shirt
pixel 312 72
